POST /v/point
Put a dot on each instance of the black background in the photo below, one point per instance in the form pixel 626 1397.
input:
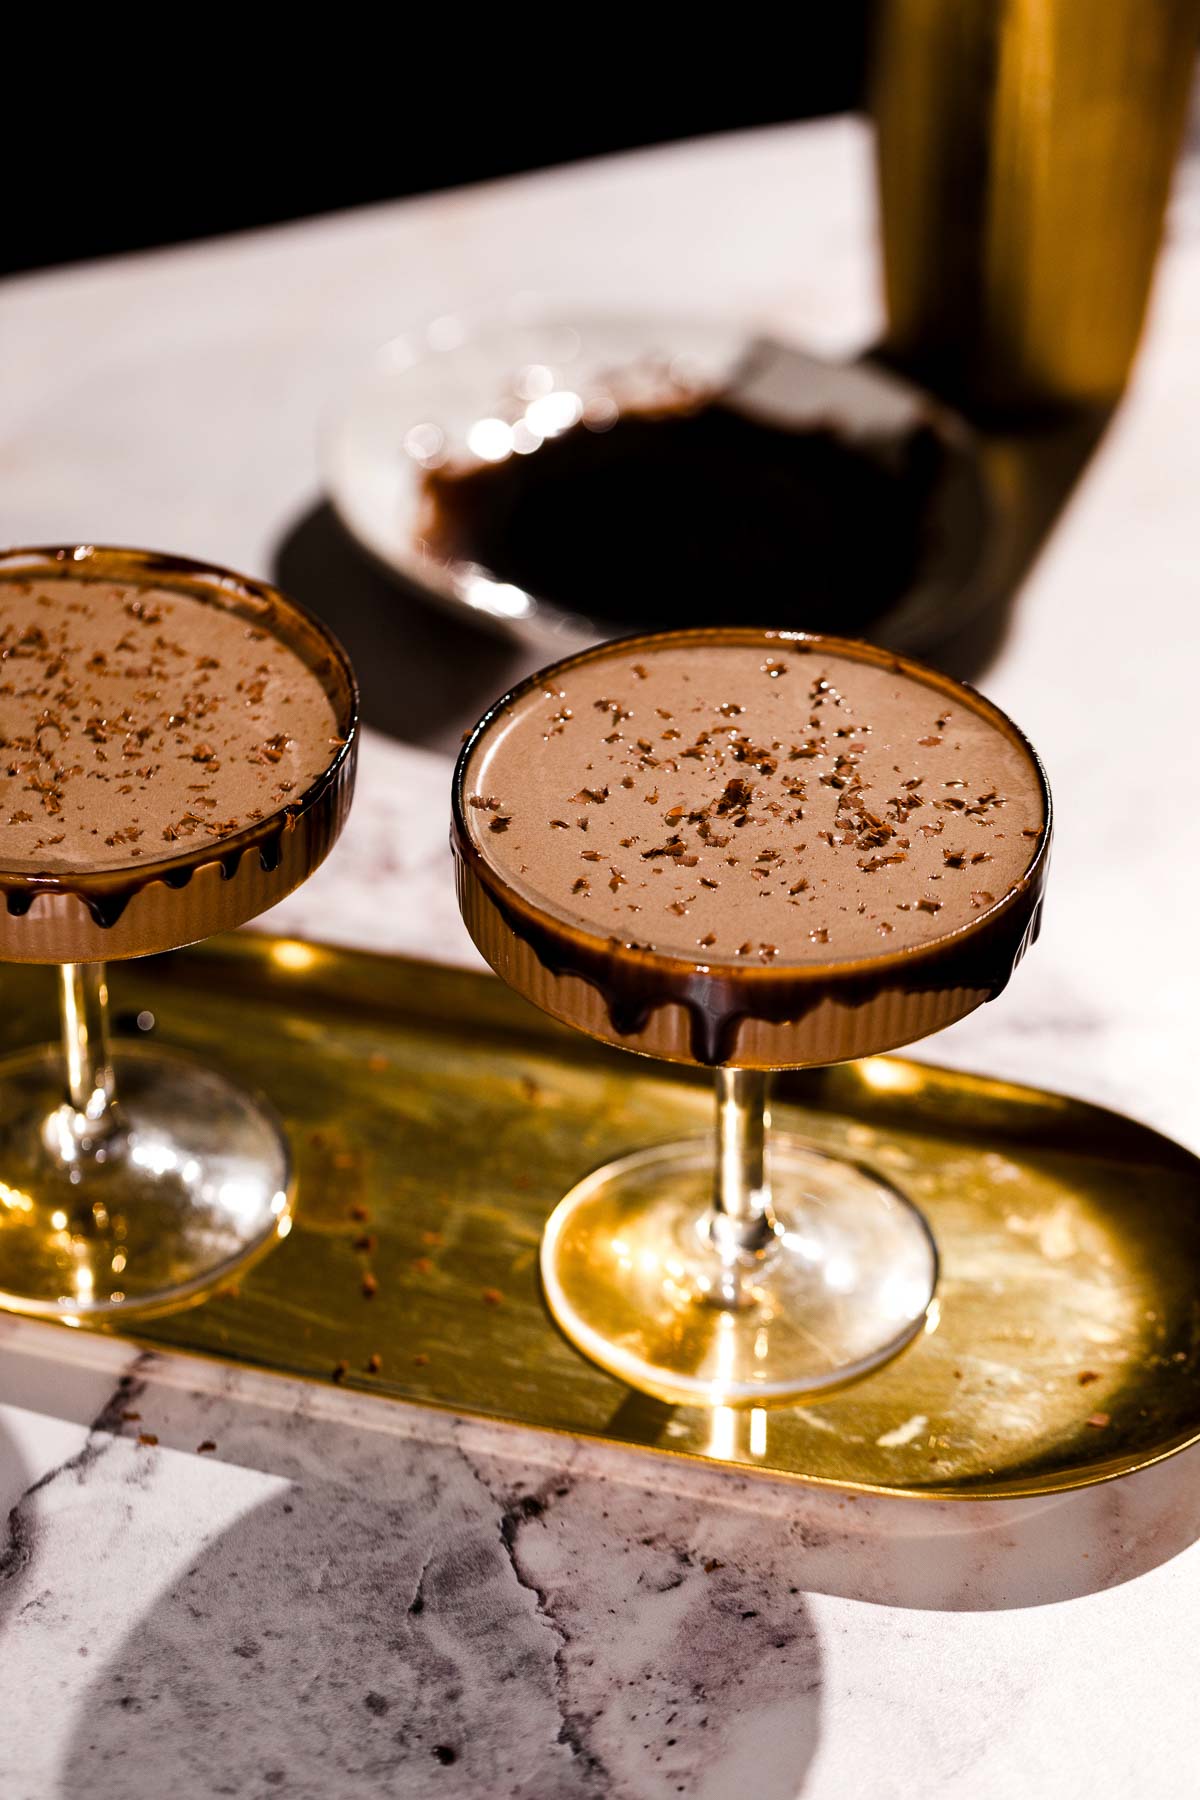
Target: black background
pixel 116 147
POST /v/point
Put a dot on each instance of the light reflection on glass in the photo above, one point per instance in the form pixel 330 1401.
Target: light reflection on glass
pixel 490 440
pixel 899 1297
pixel 154 1155
pixel 425 444
pixel 839 1274
pixel 600 412
pixel 800 1245
pixel 554 412
pixel 500 597
pixel 534 380
pixel 524 439
pixel 240 1198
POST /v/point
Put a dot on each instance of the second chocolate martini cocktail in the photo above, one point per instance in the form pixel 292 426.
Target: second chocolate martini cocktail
pixel 177 752
pixel 747 850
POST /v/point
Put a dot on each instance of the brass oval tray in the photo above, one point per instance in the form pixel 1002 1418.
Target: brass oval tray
pixel 437 1119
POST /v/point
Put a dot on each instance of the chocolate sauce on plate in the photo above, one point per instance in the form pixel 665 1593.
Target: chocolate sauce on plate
pixel 692 514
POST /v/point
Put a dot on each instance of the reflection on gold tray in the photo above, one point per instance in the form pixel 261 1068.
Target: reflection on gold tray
pixel 437 1119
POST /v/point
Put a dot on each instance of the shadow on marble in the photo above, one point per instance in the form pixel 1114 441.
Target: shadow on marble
pixel 404 1616
pixel 410 1619
pixel 1033 474
pixel 341 1594
pixel 1031 471
pixel 425 675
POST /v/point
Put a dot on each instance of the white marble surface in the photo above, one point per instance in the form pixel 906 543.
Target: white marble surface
pixel 345 1595
pixel 351 1598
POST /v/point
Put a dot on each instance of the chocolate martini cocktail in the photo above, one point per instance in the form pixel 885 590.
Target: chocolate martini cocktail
pixel 177 752
pixel 747 850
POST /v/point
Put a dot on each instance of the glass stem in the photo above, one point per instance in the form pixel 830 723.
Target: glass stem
pixel 91 1090
pixel 743 1223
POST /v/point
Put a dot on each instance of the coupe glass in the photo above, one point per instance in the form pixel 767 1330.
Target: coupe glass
pixel 132 1179
pixel 749 1267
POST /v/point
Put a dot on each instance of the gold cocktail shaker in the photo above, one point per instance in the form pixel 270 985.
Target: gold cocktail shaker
pixel 1025 150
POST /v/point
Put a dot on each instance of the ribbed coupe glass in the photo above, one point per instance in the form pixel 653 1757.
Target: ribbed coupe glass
pixel 133 1180
pixel 746 1268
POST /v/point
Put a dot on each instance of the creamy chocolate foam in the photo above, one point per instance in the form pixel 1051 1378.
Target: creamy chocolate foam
pixel 744 804
pixel 138 723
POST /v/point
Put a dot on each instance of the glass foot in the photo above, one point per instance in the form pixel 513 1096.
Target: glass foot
pixel 181 1183
pixel 634 1274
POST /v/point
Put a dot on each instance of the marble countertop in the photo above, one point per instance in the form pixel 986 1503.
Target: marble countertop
pixel 349 1597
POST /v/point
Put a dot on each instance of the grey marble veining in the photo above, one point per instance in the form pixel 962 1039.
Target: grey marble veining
pixel 346 1596
pixel 375 1615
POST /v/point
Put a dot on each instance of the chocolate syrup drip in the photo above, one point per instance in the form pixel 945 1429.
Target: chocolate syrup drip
pixel 270 853
pixel 105 908
pixel 663 517
pixel 107 892
pixel 716 1003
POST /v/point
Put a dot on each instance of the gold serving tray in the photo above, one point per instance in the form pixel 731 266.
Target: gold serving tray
pixel 436 1120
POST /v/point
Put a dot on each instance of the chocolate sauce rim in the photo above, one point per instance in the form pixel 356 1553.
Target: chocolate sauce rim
pixel 802 643
pixel 115 562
